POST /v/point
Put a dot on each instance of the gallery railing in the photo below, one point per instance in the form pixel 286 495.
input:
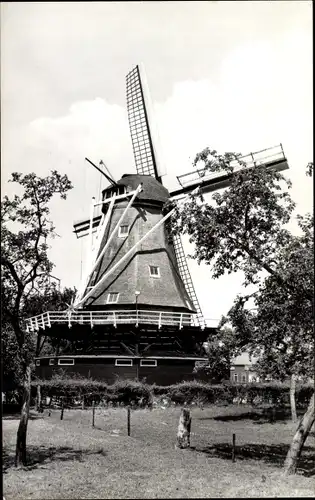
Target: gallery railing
pixel 160 318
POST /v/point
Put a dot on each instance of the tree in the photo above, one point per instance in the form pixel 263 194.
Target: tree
pixel 218 351
pixel 10 359
pixel 245 230
pixel 25 266
pixel 49 298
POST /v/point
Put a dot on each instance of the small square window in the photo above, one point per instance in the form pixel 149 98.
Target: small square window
pixel 112 298
pixel 123 231
pixel 123 362
pixel 37 362
pixel 155 271
pixel 148 362
pixel 51 361
pixel 66 361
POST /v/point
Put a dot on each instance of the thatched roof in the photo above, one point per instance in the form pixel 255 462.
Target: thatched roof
pixel 152 189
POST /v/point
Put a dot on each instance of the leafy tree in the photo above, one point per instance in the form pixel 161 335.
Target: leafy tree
pixel 25 266
pixel 49 298
pixel 245 230
pixel 10 359
pixel 218 351
pixel 279 330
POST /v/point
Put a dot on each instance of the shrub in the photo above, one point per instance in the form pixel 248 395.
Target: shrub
pixel 137 394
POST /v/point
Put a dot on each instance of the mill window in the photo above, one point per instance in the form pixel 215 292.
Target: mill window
pixel 112 298
pixel 66 361
pixel 148 362
pixel 123 362
pixel 155 271
pixel 235 377
pixel 116 191
pixel 123 231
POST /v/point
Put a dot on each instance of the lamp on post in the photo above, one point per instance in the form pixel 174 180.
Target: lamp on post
pixel 137 293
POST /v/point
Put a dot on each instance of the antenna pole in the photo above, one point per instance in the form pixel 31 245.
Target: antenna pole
pixel 103 173
pixel 108 171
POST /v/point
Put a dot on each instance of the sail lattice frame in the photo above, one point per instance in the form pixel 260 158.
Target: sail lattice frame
pixel 139 125
pixel 187 280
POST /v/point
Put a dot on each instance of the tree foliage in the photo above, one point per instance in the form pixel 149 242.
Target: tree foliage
pixel 25 266
pixel 279 330
pixel 246 225
pixel 245 229
pixel 49 298
pixel 218 351
pixel 25 229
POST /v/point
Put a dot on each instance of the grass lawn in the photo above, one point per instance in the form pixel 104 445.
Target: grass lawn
pixel 70 459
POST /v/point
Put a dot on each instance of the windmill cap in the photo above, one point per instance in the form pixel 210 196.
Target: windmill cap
pixel 151 188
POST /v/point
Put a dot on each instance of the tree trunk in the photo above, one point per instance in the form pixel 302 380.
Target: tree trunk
pixel 300 436
pixel 183 431
pixel 20 453
pixel 292 398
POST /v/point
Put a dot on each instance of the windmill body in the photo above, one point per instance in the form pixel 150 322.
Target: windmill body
pixel 152 267
pixel 136 313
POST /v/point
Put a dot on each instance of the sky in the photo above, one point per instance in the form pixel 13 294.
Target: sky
pixel 234 76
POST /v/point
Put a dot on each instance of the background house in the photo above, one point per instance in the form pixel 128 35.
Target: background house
pixel 241 369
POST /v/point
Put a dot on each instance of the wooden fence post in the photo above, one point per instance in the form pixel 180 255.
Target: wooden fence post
pixel 38 399
pixel 62 408
pixel 93 413
pixel 183 431
pixel 233 448
pixel 128 421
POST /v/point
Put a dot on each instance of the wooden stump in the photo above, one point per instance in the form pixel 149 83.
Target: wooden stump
pixel 38 399
pixel 183 430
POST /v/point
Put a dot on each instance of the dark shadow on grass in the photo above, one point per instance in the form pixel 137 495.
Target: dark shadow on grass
pixel 261 416
pixel 17 416
pixel 41 455
pixel 271 454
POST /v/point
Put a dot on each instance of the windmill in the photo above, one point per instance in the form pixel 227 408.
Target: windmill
pixel 136 313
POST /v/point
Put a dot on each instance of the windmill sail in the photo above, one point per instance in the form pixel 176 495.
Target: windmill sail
pixel 145 141
pixel 144 135
pixel 186 277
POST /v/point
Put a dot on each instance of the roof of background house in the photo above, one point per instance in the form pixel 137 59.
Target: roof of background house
pixel 244 359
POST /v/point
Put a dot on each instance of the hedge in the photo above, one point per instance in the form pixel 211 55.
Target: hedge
pixel 138 394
